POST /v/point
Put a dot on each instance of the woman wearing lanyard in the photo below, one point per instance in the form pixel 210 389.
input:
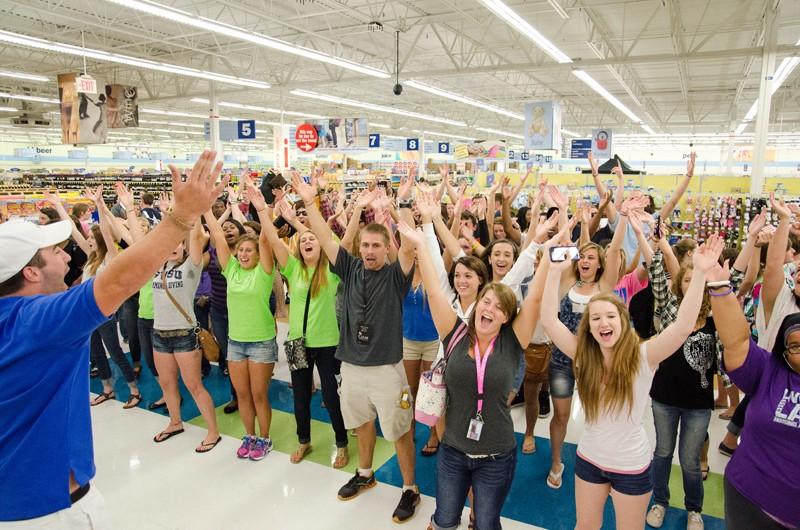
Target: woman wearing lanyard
pixel 478 450
pixel 614 372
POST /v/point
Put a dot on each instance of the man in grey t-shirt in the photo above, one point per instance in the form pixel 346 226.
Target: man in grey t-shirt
pixel 374 381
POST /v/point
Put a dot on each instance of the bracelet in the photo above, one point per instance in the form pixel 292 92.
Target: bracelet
pixel 623 214
pixel 264 209
pixel 180 222
pixel 726 293
pixel 405 205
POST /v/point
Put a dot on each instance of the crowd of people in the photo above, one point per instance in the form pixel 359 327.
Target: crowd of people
pixel 523 304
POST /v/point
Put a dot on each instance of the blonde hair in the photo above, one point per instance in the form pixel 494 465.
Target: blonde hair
pixel 601 258
pixel 97 256
pixel 319 278
pixel 600 388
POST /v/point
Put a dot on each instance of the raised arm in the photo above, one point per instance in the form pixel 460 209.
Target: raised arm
pixel 268 229
pixel 637 222
pixel 197 243
pixel 126 274
pixel 670 339
pixel 602 190
pixel 560 334
pixel 405 254
pixel 444 318
pixel 106 224
pixel 265 248
pixel 318 224
pixel 54 201
pixel 610 275
pixel 125 197
pixel 776 256
pixel 527 319
pixel 669 206
pixel 735 334
pixel 218 239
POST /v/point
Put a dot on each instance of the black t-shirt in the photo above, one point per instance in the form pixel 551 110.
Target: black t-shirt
pixel 602 234
pixel 77 261
pixel 686 378
pixel 373 299
pixel 642 309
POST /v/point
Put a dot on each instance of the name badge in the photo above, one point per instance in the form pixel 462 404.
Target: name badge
pixel 363 333
pixel 475 429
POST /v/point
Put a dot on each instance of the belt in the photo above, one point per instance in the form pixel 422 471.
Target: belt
pixel 79 493
pixel 173 332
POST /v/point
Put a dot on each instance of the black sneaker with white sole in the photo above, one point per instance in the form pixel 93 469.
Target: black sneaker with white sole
pixel 355 486
pixel 406 507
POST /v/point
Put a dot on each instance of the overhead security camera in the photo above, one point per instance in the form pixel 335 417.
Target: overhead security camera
pixel 398 89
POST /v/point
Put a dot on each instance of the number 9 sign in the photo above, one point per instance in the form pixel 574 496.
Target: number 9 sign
pixel 444 147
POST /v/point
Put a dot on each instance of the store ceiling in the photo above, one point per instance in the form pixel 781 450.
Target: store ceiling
pixel 689 66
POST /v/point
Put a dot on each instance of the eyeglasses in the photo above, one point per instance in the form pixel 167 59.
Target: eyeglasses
pixel 793 349
pixel 301 212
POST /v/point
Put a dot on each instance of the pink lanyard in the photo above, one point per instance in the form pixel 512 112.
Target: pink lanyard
pixel 480 368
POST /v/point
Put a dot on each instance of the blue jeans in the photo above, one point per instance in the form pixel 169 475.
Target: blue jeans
pixel 219 328
pixel 489 477
pixel 694 426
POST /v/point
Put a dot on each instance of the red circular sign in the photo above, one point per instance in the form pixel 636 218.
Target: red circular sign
pixel 306 137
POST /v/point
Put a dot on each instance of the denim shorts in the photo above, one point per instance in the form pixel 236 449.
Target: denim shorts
pixel 257 352
pixel 562 380
pixel 627 484
pixel 175 341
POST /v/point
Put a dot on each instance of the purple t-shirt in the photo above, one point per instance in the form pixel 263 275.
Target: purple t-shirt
pixel 766 466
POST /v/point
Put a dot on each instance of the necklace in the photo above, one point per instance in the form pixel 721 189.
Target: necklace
pixel 581 283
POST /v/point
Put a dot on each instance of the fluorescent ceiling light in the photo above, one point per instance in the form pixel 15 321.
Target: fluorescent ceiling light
pixel 445 135
pixel 172 113
pixel 517 22
pixel 227 30
pixel 502 133
pixel 570 133
pixel 380 125
pixel 173 123
pixel 377 108
pixel 8 109
pixel 647 128
pixel 37 99
pixel 22 75
pixel 256 108
pixel 597 87
pixel 41 44
pixel 463 99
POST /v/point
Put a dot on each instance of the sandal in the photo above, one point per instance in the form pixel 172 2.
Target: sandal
pixel 300 453
pixel 102 398
pixel 471 525
pixel 342 458
pixel 133 401
pixel 206 447
pixel 726 416
pixel 704 471
pixel 163 436
pixel 553 477
pixel 529 448
pixel 429 450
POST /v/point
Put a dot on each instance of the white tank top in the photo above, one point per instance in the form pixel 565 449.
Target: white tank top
pixel 579 301
pixel 618 442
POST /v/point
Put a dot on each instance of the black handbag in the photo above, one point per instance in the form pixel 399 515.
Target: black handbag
pixel 295 349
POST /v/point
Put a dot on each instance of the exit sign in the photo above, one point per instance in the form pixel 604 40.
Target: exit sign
pixel 85 85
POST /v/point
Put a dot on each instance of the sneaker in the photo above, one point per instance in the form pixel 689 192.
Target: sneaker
pixel 260 448
pixel 694 521
pixel 544 404
pixel 247 446
pixel 355 486
pixel 406 507
pixel 655 517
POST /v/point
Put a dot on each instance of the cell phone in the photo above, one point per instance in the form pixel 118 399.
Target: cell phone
pixel 563 253
pixel 657 230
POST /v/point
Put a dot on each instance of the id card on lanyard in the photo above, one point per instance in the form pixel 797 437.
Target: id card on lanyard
pixel 476 423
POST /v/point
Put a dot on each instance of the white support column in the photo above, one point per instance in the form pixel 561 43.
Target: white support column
pixel 213 118
pixel 421 168
pixel 764 102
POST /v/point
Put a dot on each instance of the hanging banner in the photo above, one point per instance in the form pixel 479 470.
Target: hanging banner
pixel 543 125
pixel 122 106
pixel 83 116
pixel 339 133
pixel 601 143
pixel 485 149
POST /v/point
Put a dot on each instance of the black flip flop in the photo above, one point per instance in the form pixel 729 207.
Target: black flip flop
pixel 204 447
pixel 133 401
pixel 163 436
pixel 106 396
pixel 429 450
pixel 155 405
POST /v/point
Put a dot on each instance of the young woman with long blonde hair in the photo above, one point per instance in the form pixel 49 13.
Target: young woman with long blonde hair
pixel 614 372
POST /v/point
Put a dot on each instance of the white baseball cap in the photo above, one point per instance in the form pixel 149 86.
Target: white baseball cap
pixel 21 240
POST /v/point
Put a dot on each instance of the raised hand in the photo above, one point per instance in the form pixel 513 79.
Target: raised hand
pixel 543 229
pixel 779 207
pixel 444 171
pixel 307 192
pixel 604 201
pixel 719 273
pixel 690 164
pixel 404 191
pixel 557 197
pixel 94 194
pixel 756 224
pixel 366 198
pixel 427 207
pixel 633 203
pixel 201 188
pixel 415 237
pixel 707 254
pixel 256 198
pixel 594 165
pixel 124 195
pixel 286 211
pixel 617 170
pixel 765 236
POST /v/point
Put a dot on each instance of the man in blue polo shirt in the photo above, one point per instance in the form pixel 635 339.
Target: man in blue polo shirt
pixel 46 457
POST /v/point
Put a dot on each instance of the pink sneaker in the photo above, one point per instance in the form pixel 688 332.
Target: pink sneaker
pixel 247 446
pixel 260 448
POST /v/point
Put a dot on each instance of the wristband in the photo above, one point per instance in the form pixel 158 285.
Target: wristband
pixel 724 293
pixel 718 284
pixel 180 222
pixel 405 205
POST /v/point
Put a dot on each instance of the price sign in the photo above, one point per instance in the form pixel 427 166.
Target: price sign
pixel 525 155
pixel 246 129
pixel 444 147
pixel 306 137
pixel 412 144
pixel 374 140
pixel 85 85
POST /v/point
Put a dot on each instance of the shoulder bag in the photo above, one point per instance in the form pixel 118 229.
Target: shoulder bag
pixel 432 392
pixel 295 349
pixel 208 344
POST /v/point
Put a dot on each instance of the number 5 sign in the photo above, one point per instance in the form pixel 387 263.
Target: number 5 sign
pixel 246 129
pixel 412 144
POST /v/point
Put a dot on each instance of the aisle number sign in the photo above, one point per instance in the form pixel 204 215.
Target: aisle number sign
pixel 374 140
pixel 525 156
pixel 306 137
pixel 444 147
pixel 246 129
pixel 85 84
pixel 412 144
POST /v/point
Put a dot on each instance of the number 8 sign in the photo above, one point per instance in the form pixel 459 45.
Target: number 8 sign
pixel 412 144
